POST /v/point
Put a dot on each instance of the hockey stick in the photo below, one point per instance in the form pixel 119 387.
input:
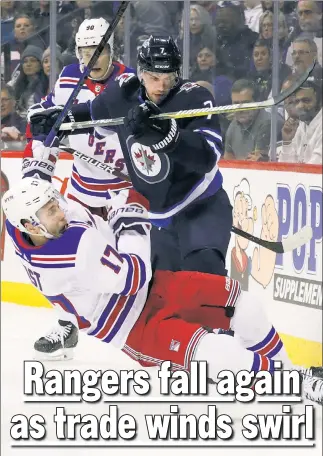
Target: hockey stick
pixel 273 101
pixel 294 241
pixel 287 245
pixel 52 135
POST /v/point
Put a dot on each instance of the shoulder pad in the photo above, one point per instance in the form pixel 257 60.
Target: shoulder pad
pixel 72 70
pixel 129 83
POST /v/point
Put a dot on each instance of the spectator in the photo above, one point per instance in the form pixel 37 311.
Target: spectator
pixel 266 25
pixel 201 31
pixel 305 144
pixel 234 38
pixel 290 113
pixel 13 125
pixel 30 78
pixel 205 69
pixel 22 35
pixel 252 14
pixel 310 21
pixel 248 136
pixel 262 74
pixel 304 52
pixel 43 89
pixel 287 8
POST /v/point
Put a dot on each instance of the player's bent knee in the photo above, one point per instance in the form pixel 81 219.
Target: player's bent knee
pixel 223 352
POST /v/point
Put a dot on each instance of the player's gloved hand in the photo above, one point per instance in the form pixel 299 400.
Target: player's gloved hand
pixel 160 135
pixel 39 161
pixel 42 121
pixel 129 211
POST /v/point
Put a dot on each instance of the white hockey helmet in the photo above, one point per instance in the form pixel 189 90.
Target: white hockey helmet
pixel 90 33
pixel 24 200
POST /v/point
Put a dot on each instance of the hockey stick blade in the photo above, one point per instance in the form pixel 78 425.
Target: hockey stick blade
pixel 295 241
pixel 200 112
pixel 298 239
pixel 52 135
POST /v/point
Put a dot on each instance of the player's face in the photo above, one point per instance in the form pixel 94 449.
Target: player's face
pixel 101 66
pixel 53 218
pixel 309 16
pixel 306 104
pixel 245 96
pixel 302 56
pixel 205 59
pixel 261 58
pixel 158 85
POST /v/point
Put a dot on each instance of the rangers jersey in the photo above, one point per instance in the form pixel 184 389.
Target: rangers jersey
pixel 87 273
pixel 89 185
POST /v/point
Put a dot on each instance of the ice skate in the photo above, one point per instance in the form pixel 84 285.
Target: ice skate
pixel 58 344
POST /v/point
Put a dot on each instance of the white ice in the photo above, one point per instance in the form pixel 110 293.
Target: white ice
pixel 21 326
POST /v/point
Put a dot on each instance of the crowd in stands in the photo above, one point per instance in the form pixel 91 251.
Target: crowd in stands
pixel 231 53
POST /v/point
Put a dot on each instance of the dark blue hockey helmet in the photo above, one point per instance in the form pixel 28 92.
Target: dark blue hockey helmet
pixel 159 55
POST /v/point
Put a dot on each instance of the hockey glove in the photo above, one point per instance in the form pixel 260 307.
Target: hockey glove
pixel 42 121
pixel 160 135
pixel 129 211
pixel 39 161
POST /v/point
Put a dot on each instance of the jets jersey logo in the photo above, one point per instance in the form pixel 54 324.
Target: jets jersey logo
pixel 150 167
pixel 187 87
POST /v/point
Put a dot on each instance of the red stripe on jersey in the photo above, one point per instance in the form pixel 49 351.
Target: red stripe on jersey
pixel 112 318
pixel 61 260
pixel 136 275
pixel 263 351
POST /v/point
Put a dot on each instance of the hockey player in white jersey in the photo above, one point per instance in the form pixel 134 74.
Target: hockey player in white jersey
pixel 88 185
pixel 99 271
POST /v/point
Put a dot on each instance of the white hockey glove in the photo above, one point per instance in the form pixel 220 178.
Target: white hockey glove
pixel 39 161
pixel 129 211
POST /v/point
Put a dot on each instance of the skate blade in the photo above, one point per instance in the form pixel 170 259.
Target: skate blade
pixel 63 354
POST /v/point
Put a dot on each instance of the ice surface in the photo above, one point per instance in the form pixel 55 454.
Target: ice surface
pixel 21 326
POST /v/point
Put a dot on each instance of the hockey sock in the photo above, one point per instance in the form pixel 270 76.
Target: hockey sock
pixel 256 332
pixel 223 352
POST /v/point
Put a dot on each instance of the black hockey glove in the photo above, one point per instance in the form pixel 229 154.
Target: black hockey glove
pixel 160 135
pixel 41 122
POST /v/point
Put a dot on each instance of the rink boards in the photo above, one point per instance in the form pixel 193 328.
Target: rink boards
pixel 271 200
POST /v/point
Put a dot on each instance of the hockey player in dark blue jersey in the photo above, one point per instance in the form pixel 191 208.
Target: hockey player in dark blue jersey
pixel 173 163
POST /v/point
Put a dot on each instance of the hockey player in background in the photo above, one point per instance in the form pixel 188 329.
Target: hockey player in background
pixel 100 272
pixel 88 185
pixel 174 164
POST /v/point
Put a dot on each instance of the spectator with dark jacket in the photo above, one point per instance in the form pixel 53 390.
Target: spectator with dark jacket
pixel 206 68
pixel 234 38
pixel 30 78
pixel 262 73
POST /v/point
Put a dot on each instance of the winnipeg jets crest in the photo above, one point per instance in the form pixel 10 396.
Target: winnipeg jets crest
pixel 150 167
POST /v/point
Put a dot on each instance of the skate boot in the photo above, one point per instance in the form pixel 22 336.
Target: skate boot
pixel 58 344
pixel 313 389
